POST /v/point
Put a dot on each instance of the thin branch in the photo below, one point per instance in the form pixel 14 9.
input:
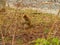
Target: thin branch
pixel 3 41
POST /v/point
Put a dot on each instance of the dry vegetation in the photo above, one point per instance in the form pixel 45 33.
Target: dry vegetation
pixel 15 29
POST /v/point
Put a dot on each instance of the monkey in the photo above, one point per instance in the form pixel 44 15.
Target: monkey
pixel 27 20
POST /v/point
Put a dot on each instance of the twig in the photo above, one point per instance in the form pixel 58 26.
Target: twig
pixel 51 30
pixel 3 41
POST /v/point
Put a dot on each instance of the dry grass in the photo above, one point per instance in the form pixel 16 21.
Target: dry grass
pixel 14 29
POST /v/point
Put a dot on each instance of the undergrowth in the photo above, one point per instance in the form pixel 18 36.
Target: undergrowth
pixel 42 41
pixel 12 27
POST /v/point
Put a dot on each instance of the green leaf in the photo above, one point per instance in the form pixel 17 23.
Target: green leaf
pixel 55 41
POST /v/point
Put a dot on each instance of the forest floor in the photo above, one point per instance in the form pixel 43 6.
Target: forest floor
pixel 27 25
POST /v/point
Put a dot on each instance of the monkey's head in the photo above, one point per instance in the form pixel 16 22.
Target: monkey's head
pixel 25 16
